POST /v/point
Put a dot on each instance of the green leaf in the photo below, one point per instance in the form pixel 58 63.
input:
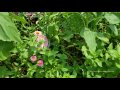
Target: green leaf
pixel 102 37
pixel 25 54
pixel 50 61
pixel 32 69
pixel 100 14
pixel 118 48
pixel 54 15
pixel 94 13
pixel 113 53
pixel 62 56
pixel 110 47
pixel 97 76
pixel 89 37
pixel 57 38
pixel 52 29
pixel 98 62
pixel 51 53
pixel 74 23
pixel 57 74
pixel 8 30
pixel 64 69
pixel 4 72
pixel 89 74
pixel 30 73
pixel 112 18
pixel 117 65
pixel 84 50
pixel 67 35
pixel 107 56
pixel 66 75
pixel 4 13
pixel 18 18
pixel 74 74
pixel 114 29
pixel 5 48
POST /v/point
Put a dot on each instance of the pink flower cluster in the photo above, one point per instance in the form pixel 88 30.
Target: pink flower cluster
pixel 33 58
pixel 39 62
pixel 40 37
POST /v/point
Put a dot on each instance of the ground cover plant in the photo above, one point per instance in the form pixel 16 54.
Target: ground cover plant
pixel 59 44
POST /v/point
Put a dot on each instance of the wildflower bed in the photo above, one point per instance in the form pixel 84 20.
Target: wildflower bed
pixel 59 44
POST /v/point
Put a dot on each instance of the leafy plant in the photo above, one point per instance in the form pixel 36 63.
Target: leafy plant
pixel 60 44
pixel 8 33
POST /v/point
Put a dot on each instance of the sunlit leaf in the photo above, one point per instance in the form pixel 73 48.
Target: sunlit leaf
pixel 90 38
pixel 112 18
pixel 114 29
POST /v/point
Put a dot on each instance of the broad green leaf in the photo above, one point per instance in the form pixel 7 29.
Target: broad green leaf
pixel 113 53
pixel 94 13
pixel 114 29
pixel 4 72
pixel 107 56
pixel 74 23
pixel 117 65
pixel 5 48
pixel 50 61
pixel 4 13
pixel 110 47
pixel 102 37
pixel 89 37
pixel 112 18
pixel 98 62
pixel 8 30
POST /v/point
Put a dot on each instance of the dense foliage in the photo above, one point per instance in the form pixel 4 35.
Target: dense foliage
pixel 60 44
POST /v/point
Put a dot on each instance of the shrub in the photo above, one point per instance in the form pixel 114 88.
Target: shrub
pixel 60 44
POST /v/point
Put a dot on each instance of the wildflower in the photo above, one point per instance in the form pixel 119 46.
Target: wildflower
pixel 37 33
pixel 45 44
pixel 28 14
pixel 44 38
pixel 40 37
pixel 33 58
pixel 40 63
